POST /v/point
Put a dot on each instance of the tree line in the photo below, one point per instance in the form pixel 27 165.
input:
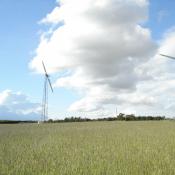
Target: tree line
pixel 120 117
pixel 132 117
pixel 16 121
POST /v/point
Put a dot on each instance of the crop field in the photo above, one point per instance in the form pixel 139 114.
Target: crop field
pixel 88 148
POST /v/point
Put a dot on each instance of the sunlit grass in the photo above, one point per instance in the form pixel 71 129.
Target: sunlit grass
pixel 92 148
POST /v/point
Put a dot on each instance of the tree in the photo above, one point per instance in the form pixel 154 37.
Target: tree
pixel 121 116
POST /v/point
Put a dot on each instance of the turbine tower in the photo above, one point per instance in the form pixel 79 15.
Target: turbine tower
pixel 45 94
pixel 116 111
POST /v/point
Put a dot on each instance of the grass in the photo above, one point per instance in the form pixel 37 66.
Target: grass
pixel 92 148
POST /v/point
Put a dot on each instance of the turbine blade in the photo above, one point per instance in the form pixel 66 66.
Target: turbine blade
pixel 168 56
pixel 44 69
pixel 50 84
pixel 47 76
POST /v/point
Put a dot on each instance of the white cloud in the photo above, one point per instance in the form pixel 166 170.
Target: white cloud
pixel 160 90
pixel 17 106
pixel 110 58
pixel 161 15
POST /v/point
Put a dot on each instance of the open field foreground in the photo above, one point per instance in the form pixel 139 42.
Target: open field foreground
pixel 92 148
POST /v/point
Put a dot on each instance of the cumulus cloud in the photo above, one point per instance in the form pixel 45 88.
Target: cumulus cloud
pixel 101 45
pixel 101 50
pixel 160 90
pixel 17 106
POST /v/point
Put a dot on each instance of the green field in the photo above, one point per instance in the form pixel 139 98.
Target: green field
pixel 92 148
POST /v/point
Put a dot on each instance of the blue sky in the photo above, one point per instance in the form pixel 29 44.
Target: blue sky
pixel 19 38
pixel 20 33
pixel 160 17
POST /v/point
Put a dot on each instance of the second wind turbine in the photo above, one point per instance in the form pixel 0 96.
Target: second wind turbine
pixel 45 95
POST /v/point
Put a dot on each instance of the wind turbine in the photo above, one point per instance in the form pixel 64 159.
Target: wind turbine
pixel 116 111
pixel 45 94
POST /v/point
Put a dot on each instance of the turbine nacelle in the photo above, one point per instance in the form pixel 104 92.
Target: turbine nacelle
pixel 47 76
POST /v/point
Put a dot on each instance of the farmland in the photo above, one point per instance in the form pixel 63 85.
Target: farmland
pixel 88 148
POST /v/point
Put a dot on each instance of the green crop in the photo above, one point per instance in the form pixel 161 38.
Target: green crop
pixel 88 148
